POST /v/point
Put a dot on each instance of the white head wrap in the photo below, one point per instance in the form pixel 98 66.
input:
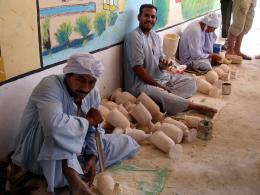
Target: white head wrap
pixel 212 20
pixel 84 63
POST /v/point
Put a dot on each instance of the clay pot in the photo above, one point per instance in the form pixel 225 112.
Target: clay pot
pixel 104 111
pixel 224 67
pixel 117 119
pixel 203 86
pixel 192 121
pixel 109 104
pixel 219 71
pixel 124 98
pixel 165 144
pixel 122 109
pixel 211 77
pixel 105 183
pixel 235 59
pixel 174 132
pixel 141 115
pixel 137 134
pixel 115 94
pixel 148 103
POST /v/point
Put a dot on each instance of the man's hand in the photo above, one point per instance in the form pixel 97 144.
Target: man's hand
pixel 94 117
pixel 90 169
pixel 163 64
pixel 215 58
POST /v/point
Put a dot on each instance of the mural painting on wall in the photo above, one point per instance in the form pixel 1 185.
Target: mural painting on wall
pixel 194 8
pixel 71 26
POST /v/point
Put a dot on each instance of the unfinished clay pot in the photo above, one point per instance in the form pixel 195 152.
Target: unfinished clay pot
pixel 233 73
pixel 214 91
pixel 148 103
pixel 144 128
pixel 137 134
pixel 117 119
pixel 159 116
pixel 203 86
pixel 224 60
pixel 142 115
pixel 174 132
pixel 105 183
pixel 170 45
pixel 191 136
pixel 188 135
pixel 192 121
pixel 179 124
pixel 122 109
pixel 104 111
pixel 219 71
pixel 124 98
pixel 211 77
pixel 226 76
pixel 115 94
pixel 129 106
pixel 109 104
pixel 235 59
pixel 165 144
pixel 224 67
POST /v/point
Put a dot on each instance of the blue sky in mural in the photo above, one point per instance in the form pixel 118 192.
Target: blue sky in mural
pixel 67 9
pixel 125 22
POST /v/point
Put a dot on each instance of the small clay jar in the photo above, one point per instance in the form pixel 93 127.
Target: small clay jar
pixel 117 119
pixel 211 77
pixel 105 183
pixel 203 86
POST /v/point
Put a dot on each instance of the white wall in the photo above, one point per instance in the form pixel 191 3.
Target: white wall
pixel 14 95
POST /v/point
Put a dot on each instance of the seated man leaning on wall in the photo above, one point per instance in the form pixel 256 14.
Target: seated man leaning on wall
pixel 196 43
pixel 144 66
pixel 57 132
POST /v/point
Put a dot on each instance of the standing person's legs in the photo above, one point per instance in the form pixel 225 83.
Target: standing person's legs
pixel 247 27
pixel 240 9
pixel 226 12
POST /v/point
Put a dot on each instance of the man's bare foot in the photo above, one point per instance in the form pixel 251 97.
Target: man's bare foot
pixel 244 56
pixel 209 111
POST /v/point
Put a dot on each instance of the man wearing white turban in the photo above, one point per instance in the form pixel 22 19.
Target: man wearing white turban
pixel 57 132
pixel 196 43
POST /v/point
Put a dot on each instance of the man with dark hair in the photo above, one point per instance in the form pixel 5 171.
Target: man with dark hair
pixel 144 68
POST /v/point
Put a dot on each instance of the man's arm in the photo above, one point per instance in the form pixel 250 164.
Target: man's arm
pixel 146 77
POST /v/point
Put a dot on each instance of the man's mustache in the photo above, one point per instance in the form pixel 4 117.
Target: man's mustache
pixel 80 92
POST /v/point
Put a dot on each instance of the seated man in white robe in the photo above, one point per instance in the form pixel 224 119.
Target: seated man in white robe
pixel 196 43
pixel 57 132
pixel 145 64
